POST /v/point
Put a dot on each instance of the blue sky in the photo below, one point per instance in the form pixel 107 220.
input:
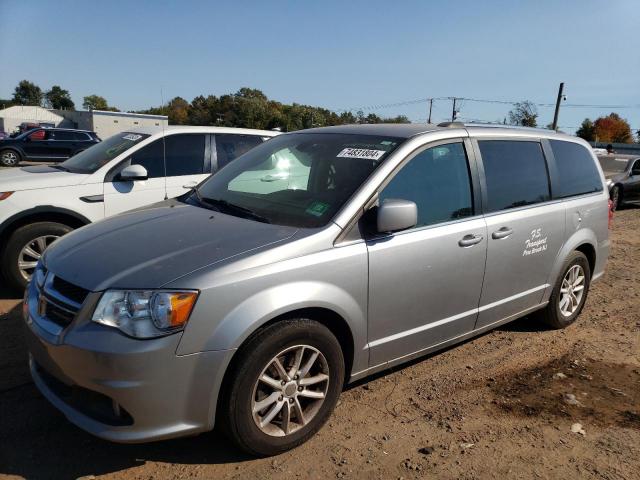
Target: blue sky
pixel 336 54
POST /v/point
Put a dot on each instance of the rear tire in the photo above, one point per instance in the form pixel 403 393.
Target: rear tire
pixel 310 393
pixel 570 292
pixel 25 247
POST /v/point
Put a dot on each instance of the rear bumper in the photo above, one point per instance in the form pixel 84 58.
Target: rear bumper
pixel 121 389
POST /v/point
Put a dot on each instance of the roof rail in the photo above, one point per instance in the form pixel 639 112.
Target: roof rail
pixel 501 125
pixel 452 125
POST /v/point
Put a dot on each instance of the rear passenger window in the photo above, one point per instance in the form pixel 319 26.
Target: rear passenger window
pixel 438 181
pixel 515 172
pixel 231 146
pixel 62 135
pixel 577 172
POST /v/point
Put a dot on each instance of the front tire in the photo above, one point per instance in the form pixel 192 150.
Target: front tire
pixel 9 158
pixel 25 247
pixel 282 387
pixel 570 292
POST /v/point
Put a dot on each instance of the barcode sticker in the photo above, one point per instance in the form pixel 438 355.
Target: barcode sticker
pixel 132 137
pixel 361 153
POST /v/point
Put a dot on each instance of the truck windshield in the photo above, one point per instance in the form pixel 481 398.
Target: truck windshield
pixel 299 179
pixel 91 159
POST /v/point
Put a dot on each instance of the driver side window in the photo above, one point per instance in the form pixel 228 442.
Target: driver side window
pixel 150 157
pixel 438 181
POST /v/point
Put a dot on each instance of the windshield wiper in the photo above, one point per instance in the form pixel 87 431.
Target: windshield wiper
pixel 231 208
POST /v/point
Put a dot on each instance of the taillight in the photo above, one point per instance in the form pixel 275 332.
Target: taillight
pixel 610 213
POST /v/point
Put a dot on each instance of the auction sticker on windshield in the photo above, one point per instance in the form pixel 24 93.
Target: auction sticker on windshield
pixel 132 137
pixel 361 153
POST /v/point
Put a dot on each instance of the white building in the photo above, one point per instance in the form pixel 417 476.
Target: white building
pixel 12 117
pixel 106 123
pixel 102 122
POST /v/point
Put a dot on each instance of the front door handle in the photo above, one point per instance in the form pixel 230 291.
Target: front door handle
pixel 504 232
pixel 469 240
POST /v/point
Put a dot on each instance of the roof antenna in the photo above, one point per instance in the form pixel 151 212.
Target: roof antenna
pixel 164 149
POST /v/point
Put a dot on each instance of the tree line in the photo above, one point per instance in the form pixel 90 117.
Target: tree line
pixel 611 128
pixel 251 108
pixel 30 94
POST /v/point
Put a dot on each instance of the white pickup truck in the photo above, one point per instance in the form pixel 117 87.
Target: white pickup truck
pixel 39 204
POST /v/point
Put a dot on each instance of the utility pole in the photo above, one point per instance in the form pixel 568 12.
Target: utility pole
pixel 453 110
pixel 430 107
pixel 559 99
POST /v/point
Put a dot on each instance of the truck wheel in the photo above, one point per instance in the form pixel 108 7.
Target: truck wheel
pixel 282 386
pixel 9 158
pixel 25 247
pixel 570 292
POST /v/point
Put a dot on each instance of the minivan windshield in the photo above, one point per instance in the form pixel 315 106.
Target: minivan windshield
pixel 299 179
pixel 91 159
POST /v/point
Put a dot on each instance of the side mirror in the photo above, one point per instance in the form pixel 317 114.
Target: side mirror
pixel 132 173
pixel 395 215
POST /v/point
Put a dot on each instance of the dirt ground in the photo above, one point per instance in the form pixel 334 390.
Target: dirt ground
pixel 499 406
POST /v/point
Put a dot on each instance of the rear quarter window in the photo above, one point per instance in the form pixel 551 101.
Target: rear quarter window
pixel 577 172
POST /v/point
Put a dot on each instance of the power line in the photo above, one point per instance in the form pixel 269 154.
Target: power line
pixel 483 100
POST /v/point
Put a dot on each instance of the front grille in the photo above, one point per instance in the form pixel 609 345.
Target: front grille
pixel 60 316
pixel 88 402
pixel 69 290
pixel 60 300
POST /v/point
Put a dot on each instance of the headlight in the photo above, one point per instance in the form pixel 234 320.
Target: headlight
pixel 145 313
pixel 4 195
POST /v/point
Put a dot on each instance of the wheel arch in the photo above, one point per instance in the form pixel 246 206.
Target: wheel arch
pixel 583 240
pixel 47 213
pixel 325 316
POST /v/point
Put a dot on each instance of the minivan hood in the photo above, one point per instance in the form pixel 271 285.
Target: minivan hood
pixel 150 247
pixel 38 176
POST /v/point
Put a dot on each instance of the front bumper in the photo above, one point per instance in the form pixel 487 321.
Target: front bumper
pixel 119 388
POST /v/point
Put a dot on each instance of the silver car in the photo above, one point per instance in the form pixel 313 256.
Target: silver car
pixel 312 261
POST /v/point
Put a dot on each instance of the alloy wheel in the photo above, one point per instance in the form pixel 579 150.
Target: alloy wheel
pixel 572 290
pixel 9 159
pixel 32 252
pixel 290 390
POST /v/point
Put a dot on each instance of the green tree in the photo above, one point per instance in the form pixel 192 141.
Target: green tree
pixel 524 114
pixel 587 130
pixel 96 102
pixel 59 99
pixel 27 93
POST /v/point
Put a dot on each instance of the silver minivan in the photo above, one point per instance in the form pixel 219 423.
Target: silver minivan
pixel 312 261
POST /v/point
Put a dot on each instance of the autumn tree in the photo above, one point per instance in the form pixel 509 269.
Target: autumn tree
pixel 59 98
pixel 524 114
pixel 587 130
pixel 27 93
pixel 613 129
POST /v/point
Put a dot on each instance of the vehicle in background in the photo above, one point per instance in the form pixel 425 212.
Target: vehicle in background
pixel 39 204
pixel 251 307
pixel 3 135
pixel 623 178
pixel 45 145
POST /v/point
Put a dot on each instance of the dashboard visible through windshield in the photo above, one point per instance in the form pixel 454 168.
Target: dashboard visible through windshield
pixel 299 180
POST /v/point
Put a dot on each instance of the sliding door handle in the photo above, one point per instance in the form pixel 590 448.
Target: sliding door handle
pixel 504 232
pixel 469 240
